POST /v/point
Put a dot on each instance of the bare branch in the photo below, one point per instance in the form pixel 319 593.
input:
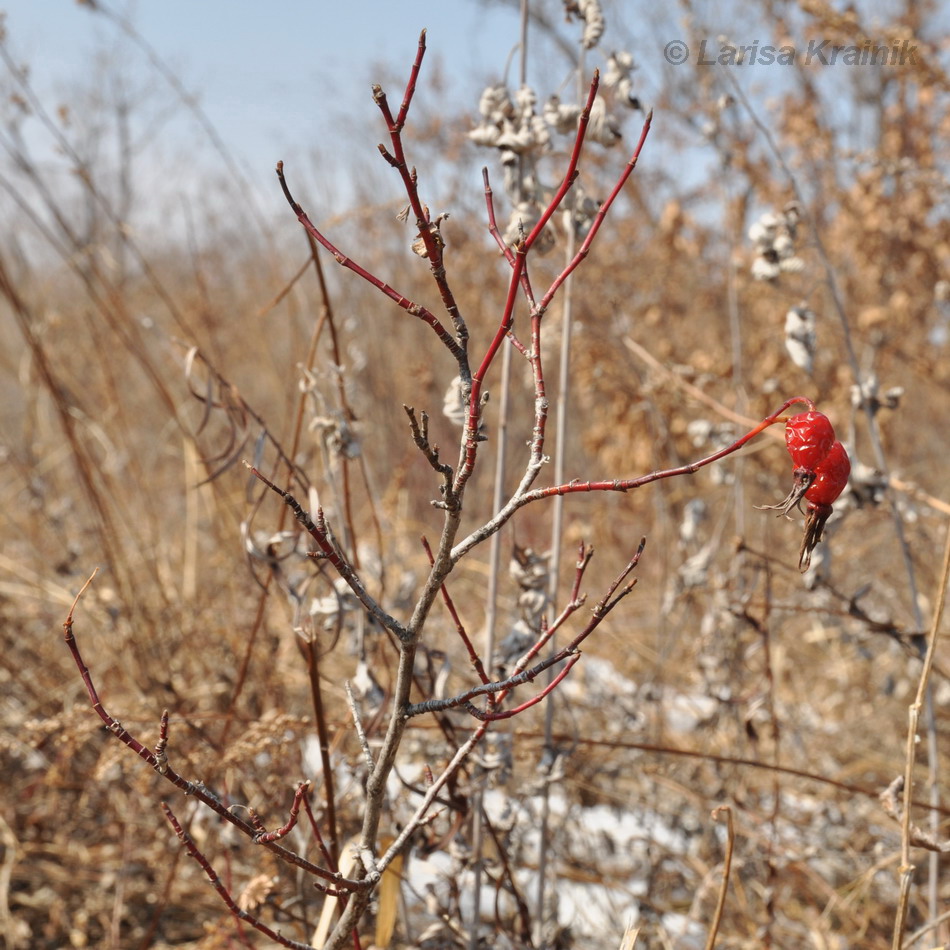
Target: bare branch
pixel 488 689
pixel 476 660
pixel 414 309
pixel 358 725
pixel 223 892
pixel 583 250
pixel 158 760
pixel 428 230
pixel 420 436
pixel 319 532
pixel 264 836
pixel 522 496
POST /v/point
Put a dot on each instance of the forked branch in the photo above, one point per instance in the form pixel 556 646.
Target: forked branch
pixel 416 310
pixel 523 496
pixel 428 230
pixel 223 892
pixel 319 531
pixel 158 760
pixel 610 600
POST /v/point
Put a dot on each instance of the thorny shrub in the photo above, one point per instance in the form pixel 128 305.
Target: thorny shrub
pixel 724 683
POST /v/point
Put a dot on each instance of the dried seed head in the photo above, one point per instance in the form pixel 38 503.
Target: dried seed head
pixel 581 215
pixel 495 103
pixel 773 236
pixel 867 395
pixel 617 75
pixel 339 436
pixel 801 337
pixel 454 407
pixel 529 569
pixel 591 12
pixel 561 116
pixel 603 128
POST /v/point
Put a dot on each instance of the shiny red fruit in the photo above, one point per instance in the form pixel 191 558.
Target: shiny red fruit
pixel 809 437
pixel 831 476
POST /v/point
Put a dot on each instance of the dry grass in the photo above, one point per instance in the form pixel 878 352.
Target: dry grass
pixel 732 683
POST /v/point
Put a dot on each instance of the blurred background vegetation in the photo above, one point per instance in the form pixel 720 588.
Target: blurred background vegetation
pixel 161 323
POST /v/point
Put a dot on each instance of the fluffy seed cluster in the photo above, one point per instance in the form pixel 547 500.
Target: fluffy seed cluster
pixel 592 13
pixel 773 236
pixel 521 131
pixel 801 337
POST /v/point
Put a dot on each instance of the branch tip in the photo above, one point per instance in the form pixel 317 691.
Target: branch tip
pixel 82 590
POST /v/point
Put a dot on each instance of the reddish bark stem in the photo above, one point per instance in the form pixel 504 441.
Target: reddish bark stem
pixel 158 761
pixel 508 713
pixel 473 656
pixel 414 309
pixel 598 218
pixel 571 174
pixel 264 836
pixel 223 892
pixel 628 484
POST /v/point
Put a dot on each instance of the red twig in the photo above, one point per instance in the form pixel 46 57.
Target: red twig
pixel 497 691
pixel 492 221
pixel 459 626
pixel 265 836
pixel 470 445
pixel 524 496
pixel 538 311
pixel 490 690
pixel 516 258
pixel 490 716
pixel 414 309
pixel 609 601
pixel 598 218
pixel 428 232
pixel 577 600
pixel 627 484
pixel 601 609
pixel 571 174
pixel 321 844
pixel 584 554
pixel 223 892
pixel 411 84
pixel 517 262
pixel 506 250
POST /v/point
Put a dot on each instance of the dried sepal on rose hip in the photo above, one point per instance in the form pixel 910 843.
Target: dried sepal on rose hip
pixel 821 470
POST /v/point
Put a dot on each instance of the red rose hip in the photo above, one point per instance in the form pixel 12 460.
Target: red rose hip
pixel 831 476
pixel 809 437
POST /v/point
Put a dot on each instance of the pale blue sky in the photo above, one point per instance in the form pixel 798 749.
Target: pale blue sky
pixel 269 73
pixel 285 80
pixel 289 80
